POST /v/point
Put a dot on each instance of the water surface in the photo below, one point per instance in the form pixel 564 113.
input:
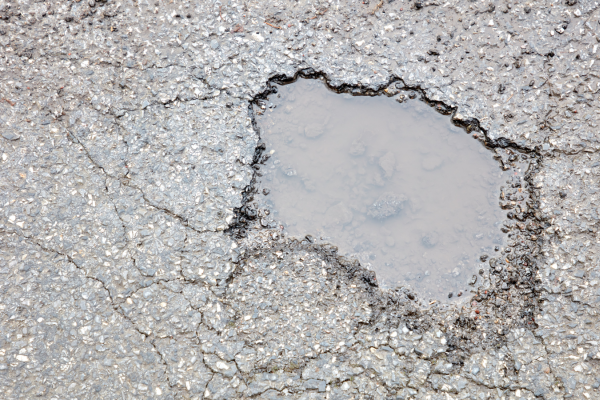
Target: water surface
pixel 396 185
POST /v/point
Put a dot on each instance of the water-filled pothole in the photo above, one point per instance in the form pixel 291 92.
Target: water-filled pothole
pixel 396 185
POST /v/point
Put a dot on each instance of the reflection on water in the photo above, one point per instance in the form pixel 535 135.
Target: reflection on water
pixel 396 185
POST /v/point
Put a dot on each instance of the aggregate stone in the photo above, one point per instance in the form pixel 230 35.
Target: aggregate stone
pixel 219 366
pixel 59 323
pixel 449 384
pixel 49 198
pixel 159 311
pixel 126 151
pixel 209 258
pixel 279 381
pixel 221 387
pixel 185 367
pixel 420 373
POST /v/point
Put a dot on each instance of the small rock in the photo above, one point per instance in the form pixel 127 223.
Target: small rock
pixel 357 148
pixel 313 131
pixel 257 37
pixel 387 205
pixel 442 367
pixel 388 163
pixel 10 136
pixel 430 239
pixel 316 384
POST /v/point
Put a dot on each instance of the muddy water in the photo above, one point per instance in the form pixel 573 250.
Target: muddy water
pixel 397 185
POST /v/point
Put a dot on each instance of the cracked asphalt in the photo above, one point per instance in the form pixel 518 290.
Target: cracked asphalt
pixel 134 262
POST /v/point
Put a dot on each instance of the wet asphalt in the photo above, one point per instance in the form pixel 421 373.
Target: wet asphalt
pixel 133 263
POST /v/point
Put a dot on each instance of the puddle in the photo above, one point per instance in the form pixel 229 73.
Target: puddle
pixel 396 185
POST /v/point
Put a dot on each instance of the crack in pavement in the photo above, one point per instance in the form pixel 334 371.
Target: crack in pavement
pixel 126 181
pixel 115 307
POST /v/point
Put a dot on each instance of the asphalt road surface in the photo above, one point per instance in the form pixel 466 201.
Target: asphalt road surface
pixel 134 263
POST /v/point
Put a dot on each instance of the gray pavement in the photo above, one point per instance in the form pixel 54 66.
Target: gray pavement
pixel 132 261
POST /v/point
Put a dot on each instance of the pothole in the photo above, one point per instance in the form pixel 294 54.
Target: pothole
pixel 388 180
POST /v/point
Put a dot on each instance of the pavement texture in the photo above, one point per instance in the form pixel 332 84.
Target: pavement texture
pixel 134 263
